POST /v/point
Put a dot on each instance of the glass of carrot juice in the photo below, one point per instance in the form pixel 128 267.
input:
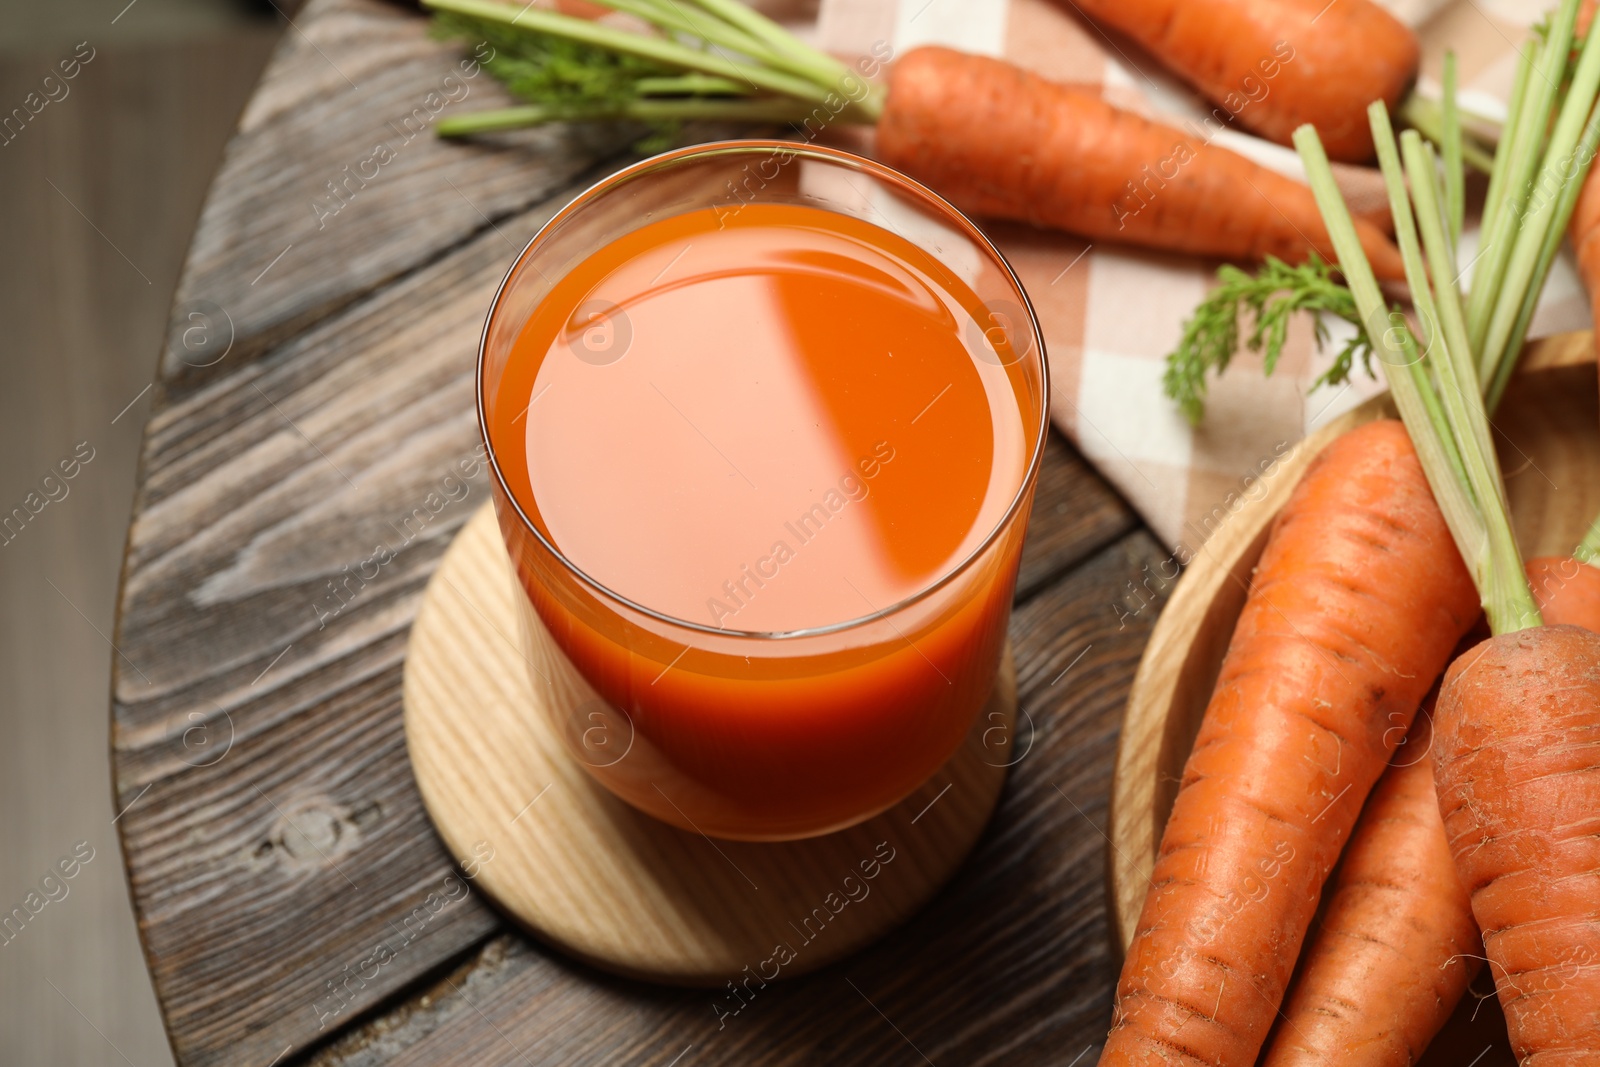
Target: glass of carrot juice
pixel 765 421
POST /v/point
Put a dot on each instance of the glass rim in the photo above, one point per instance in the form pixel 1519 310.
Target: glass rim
pixel 744 146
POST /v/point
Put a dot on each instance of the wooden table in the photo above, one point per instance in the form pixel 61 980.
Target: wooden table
pixel 316 387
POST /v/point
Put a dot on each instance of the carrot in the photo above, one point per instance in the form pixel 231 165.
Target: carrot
pixel 1273 65
pixel 1519 790
pixel 987 135
pixel 997 140
pixel 1568 592
pixel 1585 234
pixel 1354 608
pixel 1567 588
pixel 1397 944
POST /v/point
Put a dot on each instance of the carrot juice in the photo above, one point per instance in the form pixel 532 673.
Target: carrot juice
pixel 764 474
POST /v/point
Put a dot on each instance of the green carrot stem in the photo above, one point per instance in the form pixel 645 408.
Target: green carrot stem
pixel 1528 128
pixel 1455 184
pixel 1398 354
pixel 735 25
pixel 1564 167
pixel 1445 350
pixel 1494 199
pixel 1588 550
pixel 673 18
pixel 501 118
pixel 823 67
pixel 1482 538
pixel 1456 370
pixel 1459 383
pixel 659 49
pixel 1427 117
pixel 1553 237
pixel 689 109
pixel 690 85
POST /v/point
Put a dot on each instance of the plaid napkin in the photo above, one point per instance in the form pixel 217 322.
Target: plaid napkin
pixel 1111 314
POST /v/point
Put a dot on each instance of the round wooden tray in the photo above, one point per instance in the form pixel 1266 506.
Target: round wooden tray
pixel 1548 431
pixel 608 884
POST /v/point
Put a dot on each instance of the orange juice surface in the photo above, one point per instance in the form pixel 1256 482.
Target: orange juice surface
pixel 783 420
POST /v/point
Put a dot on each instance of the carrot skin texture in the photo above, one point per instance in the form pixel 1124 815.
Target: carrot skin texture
pixel 1355 606
pixel 1327 61
pixel 1567 591
pixel 999 141
pixel 1517 763
pixel 1397 945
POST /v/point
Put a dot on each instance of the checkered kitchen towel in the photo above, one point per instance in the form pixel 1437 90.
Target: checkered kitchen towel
pixel 1111 314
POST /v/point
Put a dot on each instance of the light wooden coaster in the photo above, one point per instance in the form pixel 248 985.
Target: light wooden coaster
pixel 615 887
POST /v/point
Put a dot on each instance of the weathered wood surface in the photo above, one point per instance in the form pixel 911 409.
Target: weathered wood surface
pixel 273 833
pixel 308 179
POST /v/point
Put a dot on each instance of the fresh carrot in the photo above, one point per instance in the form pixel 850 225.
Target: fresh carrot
pixel 1397 944
pixel 1519 790
pixel 1567 588
pixel 1273 65
pixel 1585 234
pixel 1354 608
pixel 1000 141
pixel 992 138
pixel 1568 592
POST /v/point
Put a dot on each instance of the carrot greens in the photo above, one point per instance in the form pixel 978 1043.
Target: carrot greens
pixel 1470 344
pixel 716 60
pixel 1269 299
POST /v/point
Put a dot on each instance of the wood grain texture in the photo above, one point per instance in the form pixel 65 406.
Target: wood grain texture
pixel 260 489
pixel 274 836
pixel 1547 431
pixel 307 178
pixel 1074 513
pixel 610 885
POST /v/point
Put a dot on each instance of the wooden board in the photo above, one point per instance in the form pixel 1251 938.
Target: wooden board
pixel 610 885
pixel 1548 433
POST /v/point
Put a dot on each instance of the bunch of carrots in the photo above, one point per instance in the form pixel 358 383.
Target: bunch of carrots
pixel 1480 840
pixel 1491 836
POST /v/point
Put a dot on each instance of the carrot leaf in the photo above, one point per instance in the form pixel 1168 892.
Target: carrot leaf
pixel 694 60
pixel 1268 300
pixel 565 79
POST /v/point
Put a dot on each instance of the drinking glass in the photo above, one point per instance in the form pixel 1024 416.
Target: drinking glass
pixel 760 736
